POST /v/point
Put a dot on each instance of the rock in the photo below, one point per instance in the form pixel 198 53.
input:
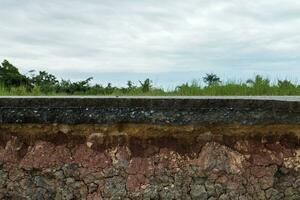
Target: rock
pixel 243 197
pixel 40 193
pixel 294 197
pixel 134 182
pixel 266 182
pixel 70 181
pixel 40 182
pixel 58 194
pixel 212 198
pixel 45 155
pixel 284 170
pixel 198 192
pixel 207 136
pixel 297 183
pixel 67 195
pixel 219 189
pixel 123 157
pixel 64 129
pixel 59 175
pixel 167 193
pixel 224 197
pixel 273 194
pixel 93 187
pixel 3 178
pixel 95 139
pixel 71 170
pixel 217 158
pixel 290 191
pixel 294 161
pixel 210 188
pixel 115 187
pixel 151 192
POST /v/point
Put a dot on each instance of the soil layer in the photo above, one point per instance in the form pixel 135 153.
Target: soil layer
pixel 148 161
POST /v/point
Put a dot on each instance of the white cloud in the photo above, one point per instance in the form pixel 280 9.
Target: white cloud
pixel 234 36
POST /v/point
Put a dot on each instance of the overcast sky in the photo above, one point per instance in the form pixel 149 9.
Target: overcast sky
pixel 170 41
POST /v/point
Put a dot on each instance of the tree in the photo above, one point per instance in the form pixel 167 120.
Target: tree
pixel 11 77
pixel 259 81
pixel 109 89
pixel 146 85
pixel 66 86
pixel 47 82
pixel 211 79
pixel 130 85
pixel 285 84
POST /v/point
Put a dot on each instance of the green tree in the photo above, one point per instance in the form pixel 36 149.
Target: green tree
pixel 211 79
pixel 130 85
pixel 45 81
pixel 260 85
pixel 109 89
pixel 11 77
pixel 66 86
pixel 259 81
pixel 285 84
pixel 146 85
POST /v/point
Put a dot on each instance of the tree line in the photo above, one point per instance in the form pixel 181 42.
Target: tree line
pixel 10 77
pixel 44 83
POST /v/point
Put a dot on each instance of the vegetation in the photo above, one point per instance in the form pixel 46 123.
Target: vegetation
pixel 211 79
pixel 12 82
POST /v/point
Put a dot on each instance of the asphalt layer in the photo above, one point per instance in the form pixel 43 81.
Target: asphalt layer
pixel 146 109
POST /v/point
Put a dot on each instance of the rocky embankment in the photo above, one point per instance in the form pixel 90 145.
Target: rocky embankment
pixel 195 149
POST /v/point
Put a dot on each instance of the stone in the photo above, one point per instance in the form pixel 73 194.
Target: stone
pixel 217 158
pixel 115 188
pixel 266 182
pixel 95 138
pixel 198 192
pixel 40 182
pixel 93 187
pixel 290 191
pixel 151 192
pixel 219 189
pixel 59 175
pixel 224 197
pixel 243 197
pixel 70 180
pixel 273 194
pixel 210 188
pixel 3 178
pixel 71 170
pixel 134 182
pixel 167 193
pixel 297 183
pixel 44 155
pixel 67 195
pixel 212 198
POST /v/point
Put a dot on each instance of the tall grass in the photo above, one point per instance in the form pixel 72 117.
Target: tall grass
pixel 232 88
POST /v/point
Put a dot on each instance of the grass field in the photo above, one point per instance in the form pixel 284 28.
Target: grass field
pixel 192 89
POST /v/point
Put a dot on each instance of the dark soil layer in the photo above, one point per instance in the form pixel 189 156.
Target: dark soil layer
pixel 176 111
pixel 147 161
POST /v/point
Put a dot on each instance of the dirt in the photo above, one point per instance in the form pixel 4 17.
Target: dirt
pixel 146 161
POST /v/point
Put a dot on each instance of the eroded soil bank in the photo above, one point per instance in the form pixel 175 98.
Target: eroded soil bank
pixel 144 161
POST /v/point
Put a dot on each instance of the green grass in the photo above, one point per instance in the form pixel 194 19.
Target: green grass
pixel 193 89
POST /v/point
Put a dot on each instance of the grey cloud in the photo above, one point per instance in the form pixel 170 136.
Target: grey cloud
pixel 171 36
